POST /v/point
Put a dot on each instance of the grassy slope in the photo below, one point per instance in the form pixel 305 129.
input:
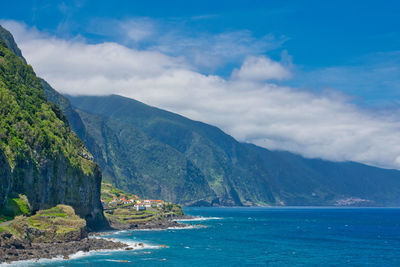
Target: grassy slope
pixel 57 224
pixel 16 206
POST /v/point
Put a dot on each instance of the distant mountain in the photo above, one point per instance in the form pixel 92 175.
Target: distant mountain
pixel 133 161
pixel 160 154
pixel 40 156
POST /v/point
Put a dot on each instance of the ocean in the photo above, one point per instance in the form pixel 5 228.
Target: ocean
pixel 260 237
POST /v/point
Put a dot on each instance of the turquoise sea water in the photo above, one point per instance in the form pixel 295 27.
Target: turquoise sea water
pixel 263 236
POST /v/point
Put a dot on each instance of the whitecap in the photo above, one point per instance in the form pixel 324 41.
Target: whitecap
pixel 198 219
pixel 31 262
pixel 185 227
pixel 81 254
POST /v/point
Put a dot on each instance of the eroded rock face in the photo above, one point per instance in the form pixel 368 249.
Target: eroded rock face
pixel 55 181
pixel 5 179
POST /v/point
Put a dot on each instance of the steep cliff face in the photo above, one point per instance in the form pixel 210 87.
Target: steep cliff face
pixel 5 179
pixel 48 181
pixel 42 157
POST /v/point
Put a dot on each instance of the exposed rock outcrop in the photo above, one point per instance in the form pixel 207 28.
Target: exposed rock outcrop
pixel 5 179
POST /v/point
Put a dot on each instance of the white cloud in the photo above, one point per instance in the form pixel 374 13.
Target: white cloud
pixel 269 115
pixel 138 30
pixel 260 69
pixel 205 51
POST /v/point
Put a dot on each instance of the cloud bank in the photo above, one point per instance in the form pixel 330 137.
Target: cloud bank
pixel 205 51
pixel 249 105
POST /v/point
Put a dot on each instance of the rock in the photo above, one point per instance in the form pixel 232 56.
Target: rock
pixel 46 250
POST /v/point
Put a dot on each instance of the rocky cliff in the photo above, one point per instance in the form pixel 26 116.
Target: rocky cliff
pixel 40 156
pixel 5 179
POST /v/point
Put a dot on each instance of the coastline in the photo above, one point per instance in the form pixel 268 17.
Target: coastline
pixel 17 251
pixel 13 250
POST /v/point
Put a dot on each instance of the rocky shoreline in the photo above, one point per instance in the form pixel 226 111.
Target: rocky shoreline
pixel 153 224
pixel 13 249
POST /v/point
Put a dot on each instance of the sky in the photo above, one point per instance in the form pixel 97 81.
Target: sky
pixel 317 78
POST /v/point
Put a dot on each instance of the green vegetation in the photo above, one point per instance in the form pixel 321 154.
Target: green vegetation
pixel 57 224
pixel 126 214
pixel 108 192
pixel 28 122
pixel 158 154
pixel 40 155
pixel 163 155
pixel 129 215
pixel 15 207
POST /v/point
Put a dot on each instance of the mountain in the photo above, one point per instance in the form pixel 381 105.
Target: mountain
pixel 145 149
pixel 159 154
pixel 123 152
pixel 40 155
pixel 8 39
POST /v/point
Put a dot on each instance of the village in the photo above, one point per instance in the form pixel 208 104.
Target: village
pixel 125 210
pixel 134 201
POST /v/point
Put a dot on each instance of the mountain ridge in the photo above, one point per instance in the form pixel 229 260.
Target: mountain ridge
pixel 244 174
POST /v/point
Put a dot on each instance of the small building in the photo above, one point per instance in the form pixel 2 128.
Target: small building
pixel 152 202
pixel 140 206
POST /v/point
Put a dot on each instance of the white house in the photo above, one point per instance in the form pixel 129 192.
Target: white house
pixel 140 206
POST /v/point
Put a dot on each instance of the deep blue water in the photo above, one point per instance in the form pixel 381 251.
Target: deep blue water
pixel 265 236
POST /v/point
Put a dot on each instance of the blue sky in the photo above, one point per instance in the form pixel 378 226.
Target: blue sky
pixel 318 78
pixel 359 38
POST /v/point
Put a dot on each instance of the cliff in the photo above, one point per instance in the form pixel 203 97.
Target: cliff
pixel 40 156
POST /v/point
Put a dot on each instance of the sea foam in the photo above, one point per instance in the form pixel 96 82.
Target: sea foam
pixel 198 219
pixel 82 254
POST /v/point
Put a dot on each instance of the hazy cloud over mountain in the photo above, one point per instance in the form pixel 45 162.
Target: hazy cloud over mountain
pixel 248 104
